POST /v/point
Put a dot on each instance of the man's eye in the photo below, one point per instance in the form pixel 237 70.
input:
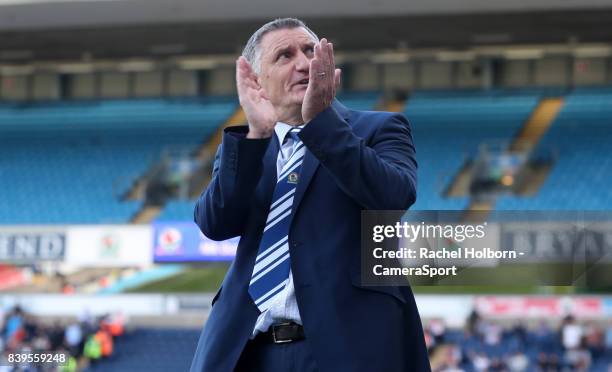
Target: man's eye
pixel 284 55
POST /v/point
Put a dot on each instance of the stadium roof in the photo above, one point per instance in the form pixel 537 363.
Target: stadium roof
pixel 36 14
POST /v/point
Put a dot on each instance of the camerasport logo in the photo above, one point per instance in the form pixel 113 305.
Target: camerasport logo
pixel 169 241
pixel 109 246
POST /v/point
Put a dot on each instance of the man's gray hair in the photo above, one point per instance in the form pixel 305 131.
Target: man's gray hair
pixel 252 50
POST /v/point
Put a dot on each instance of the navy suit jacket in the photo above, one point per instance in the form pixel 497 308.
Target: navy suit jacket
pixel 355 160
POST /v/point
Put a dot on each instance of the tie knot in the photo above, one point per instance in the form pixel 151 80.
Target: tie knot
pixel 293 134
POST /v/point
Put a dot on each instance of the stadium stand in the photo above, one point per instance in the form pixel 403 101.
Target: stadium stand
pixel 441 121
pixel 482 345
pixel 83 341
pixel 580 137
pixel 88 154
pixel 486 345
pixel 153 350
pixel 177 210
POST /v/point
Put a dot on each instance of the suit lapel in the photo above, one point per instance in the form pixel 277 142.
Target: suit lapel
pixel 269 170
pixel 309 166
pixel 311 163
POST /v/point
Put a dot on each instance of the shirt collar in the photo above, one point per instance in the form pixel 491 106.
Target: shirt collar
pixel 281 129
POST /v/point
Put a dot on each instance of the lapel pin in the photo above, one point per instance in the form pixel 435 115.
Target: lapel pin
pixel 293 177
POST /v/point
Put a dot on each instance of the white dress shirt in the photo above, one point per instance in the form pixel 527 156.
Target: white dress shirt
pixel 285 307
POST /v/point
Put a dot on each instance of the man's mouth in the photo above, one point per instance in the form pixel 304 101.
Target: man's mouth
pixel 303 82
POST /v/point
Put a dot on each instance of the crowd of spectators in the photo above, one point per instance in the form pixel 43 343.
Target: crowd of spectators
pixel 487 345
pixel 483 345
pixel 83 341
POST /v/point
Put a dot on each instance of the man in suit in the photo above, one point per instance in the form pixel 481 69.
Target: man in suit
pixel 292 184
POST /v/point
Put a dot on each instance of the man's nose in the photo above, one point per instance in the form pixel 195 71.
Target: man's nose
pixel 303 62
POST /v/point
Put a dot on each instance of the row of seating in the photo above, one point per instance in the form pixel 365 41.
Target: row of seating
pixel 448 128
pixel 531 344
pixel 167 349
pixel 151 350
pixel 69 162
pixel 580 138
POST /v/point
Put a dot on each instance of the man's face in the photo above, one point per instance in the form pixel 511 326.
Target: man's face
pixel 284 66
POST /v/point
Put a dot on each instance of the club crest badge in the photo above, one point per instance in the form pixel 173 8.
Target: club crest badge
pixel 293 177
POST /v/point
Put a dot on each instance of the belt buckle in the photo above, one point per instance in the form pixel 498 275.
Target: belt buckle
pixel 277 341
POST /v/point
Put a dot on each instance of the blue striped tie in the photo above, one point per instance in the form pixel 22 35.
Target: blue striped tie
pixel 271 270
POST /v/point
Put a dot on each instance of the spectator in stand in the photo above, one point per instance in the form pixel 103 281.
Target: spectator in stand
pixel 71 365
pixel 542 363
pixel 1 321
pixel 492 333
pixel 571 333
pixel 473 321
pixel 437 329
pixel 497 365
pixel 56 335
pixel 517 362
pixel 480 361
pixel 520 332
pixel 430 342
pixel 68 288
pixel 608 338
pixel 13 324
pixel 544 337
pixel 73 338
pixel 452 360
pixel 578 359
pixel 86 319
pixel 30 326
pixel 594 339
pixel 106 342
pixel 117 324
pixel 554 364
pixel 40 341
pixel 92 349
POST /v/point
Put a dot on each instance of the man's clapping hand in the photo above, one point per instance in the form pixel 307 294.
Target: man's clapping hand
pixel 324 79
pixel 257 107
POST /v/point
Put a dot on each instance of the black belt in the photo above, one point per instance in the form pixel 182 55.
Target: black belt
pixel 282 333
